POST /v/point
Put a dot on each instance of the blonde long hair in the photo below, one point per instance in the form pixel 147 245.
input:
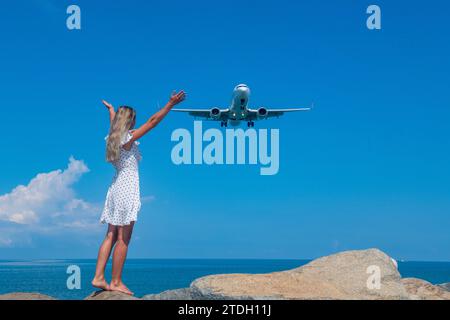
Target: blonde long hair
pixel 123 120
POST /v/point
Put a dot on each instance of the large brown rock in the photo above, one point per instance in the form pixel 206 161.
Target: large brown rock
pixel 422 290
pixel 339 276
pixel 109 295
pixel 25 296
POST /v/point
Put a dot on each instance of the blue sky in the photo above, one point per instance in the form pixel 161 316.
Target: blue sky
pixel 367 168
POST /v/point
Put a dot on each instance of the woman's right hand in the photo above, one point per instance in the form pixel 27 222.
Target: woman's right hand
pixel 177 98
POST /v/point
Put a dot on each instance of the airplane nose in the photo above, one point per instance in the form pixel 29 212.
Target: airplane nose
pixel 242 88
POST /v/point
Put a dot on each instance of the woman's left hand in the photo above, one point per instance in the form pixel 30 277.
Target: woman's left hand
pixel 108 105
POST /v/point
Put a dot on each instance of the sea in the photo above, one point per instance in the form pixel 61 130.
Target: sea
pixel 147 276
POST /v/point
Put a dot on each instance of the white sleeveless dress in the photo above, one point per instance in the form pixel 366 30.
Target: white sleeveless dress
pixel 123 200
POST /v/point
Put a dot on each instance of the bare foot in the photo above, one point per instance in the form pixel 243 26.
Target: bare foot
pixel 100 284
pixel 120 287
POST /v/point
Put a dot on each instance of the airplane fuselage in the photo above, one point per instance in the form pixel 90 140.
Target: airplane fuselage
pixel 239 104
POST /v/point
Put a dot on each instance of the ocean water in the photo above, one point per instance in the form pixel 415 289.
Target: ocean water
pixel 146 276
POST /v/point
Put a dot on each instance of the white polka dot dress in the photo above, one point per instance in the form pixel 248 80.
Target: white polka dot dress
pixel 123 200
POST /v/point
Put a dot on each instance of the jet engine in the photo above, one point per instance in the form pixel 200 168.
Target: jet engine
pixel 214 113
pixel 262 113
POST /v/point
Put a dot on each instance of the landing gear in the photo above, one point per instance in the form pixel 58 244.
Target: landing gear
pixel 250 124
pixel 224 124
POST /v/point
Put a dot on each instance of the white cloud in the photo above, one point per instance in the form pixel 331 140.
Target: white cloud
pixel 49 208
pixel 49 200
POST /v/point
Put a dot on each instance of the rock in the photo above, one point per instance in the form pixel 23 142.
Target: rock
pixel 339 276
pixel 109 295
pixel 25 296
pixel 178 294
pixel 445 286
pixel 422 290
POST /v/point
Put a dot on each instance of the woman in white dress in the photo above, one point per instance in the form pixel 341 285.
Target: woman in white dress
pixel 123 202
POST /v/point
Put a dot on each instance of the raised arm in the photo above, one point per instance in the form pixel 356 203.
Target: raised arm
pixel 110 108
pixel 154 120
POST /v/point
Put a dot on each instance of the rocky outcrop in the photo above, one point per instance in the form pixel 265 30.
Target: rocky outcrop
pixel 341 276
pixel 178 294
pixel 419 289
pixel 25 296
pixel 351 275
pixel 110 295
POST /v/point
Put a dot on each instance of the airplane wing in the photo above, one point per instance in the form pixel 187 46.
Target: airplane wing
pixel 269 113
pixel 205 113
pixel 280 112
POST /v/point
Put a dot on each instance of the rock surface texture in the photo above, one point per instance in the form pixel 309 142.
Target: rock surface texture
pixel 25 296
pixel 445 286
pixel 419 289
pixel 178 294
pixel 110 295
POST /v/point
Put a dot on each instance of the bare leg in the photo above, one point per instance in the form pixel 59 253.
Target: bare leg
pixel 119 256
pixel 103 256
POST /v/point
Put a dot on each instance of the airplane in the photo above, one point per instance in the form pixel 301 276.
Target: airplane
pixel 238 110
